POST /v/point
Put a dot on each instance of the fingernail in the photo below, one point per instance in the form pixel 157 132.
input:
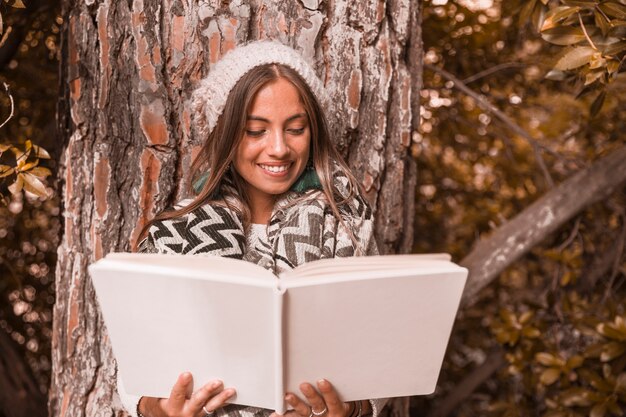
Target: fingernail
pixel 288 397
pixel 216 384
pixel 322 383
pixel 186 377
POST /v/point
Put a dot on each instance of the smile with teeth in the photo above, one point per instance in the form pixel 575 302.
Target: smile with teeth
pixel 275 168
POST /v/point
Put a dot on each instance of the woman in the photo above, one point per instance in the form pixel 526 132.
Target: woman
pixel 270 189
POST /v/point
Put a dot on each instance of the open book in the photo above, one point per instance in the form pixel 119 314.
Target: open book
pixel 373 326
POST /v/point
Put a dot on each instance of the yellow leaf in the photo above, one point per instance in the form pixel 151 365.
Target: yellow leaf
pixel 25 167
pixel 5 171
pixel 40 172
pixel 575 57
pixel 4 148
pixel 33 185
pixel 41 152
pixel 549 376
pixel 554 16
pixel 612 350
pixel 545 358
pixel 17 186
pixel 598 410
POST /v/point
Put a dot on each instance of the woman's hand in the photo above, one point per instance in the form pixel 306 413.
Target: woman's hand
pixel 208 398
pixel 325 403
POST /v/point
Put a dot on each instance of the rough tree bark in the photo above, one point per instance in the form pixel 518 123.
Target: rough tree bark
pixel 129 67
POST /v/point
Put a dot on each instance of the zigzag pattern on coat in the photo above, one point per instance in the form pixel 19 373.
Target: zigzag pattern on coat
pixel 214 230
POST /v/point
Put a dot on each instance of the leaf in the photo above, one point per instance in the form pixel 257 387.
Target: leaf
pixel 611 331
pixel 526 12
pixel 613 9
pixel 5 171
pixel 593 76
pixel 556 75
pixel 598 410
pixel 20 156
pixel 589 4
pixel 546 359
pixel 597 104
pixel 18 4
pixel 40 172
pixel 549 376
pixel 17 185
pixel 34 185
pixel 4 148
pixel 554 16
pixel 575 362
pixel 41 152
pixel 563 35
pixel 601 22
pixel 576 397
pixel 612 350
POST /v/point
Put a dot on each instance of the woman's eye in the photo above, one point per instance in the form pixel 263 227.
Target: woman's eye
pixel 296 131
pixel 255 133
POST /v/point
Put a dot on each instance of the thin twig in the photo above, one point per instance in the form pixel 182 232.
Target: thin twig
pixel 6 87
pixel 582 25
pixel 487 106
pixel 571 236
pixel 492 70
pixel 616 262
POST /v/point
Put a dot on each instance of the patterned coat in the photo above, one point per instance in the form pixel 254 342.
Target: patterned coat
pixel 302 228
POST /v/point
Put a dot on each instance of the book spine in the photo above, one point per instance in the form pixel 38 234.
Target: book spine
pixel 279 374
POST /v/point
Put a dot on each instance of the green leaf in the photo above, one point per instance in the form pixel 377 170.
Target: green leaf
pixel 613 9
pixel 556 15
pixel 575 57
pixel 563 35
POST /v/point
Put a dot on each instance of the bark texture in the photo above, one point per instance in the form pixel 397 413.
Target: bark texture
pixel 127 73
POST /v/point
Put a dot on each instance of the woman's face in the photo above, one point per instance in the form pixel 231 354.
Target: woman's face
pixel 275 146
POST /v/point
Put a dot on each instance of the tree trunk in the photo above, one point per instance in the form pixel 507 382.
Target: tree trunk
pixel 127 72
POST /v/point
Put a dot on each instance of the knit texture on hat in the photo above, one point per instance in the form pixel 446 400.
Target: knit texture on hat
pixel 209 98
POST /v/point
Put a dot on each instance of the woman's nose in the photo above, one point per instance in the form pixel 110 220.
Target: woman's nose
pixel 277 146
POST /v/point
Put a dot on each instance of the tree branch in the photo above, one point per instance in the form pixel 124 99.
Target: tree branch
pixel 468 385
pixel 492 70
pixel 516 237
pixel 487 106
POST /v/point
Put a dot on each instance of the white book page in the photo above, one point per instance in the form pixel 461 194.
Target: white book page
pixel 371 338
pixel 164 319
pixel 366 263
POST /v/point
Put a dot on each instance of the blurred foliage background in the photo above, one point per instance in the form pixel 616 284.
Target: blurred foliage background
pixel 549 337
pixel 29 225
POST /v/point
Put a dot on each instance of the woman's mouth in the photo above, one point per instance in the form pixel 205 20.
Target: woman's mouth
pixel 275 169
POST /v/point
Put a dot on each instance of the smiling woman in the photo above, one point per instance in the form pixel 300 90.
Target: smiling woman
pixel 270 188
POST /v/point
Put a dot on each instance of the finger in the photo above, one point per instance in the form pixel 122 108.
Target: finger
pixel 331 398
pixel 314 399
pixel 219 400
pixel 178 396
pixel 298 405
pixel 202 396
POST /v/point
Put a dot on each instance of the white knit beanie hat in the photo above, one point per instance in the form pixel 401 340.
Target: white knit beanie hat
pixel 209 98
